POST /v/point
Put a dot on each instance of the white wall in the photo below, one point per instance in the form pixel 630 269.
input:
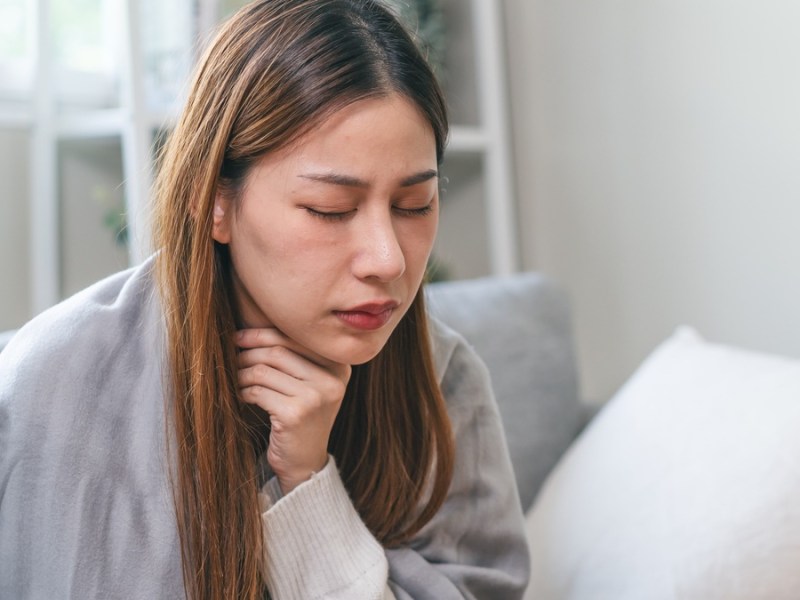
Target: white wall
pixel 14 226
pixel 658 159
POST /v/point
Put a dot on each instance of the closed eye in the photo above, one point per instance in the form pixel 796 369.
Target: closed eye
pixel 415 212
pixel 329 215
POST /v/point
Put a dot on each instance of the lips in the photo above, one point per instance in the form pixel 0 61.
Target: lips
pixel 368 316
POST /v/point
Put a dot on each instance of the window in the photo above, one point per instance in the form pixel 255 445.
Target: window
pixel 85 51
pixel 16 47
pixel 82 38
pixel 167 39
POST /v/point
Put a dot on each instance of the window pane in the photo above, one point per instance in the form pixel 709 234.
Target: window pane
pixel 86 36
pixel 16 41
pixel 166 29
pixel 79 39
pixel 13 29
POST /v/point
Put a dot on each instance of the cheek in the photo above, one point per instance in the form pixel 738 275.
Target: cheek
pixel 418 243
pixel 284 253
pixel 272 239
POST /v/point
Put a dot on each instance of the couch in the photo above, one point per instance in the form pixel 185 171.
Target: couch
pixel 686 485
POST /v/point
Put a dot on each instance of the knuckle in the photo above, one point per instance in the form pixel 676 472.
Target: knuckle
pixel 250 394
pixel 261 371
pixel 262 336
pixel 292 417
pixel 277 353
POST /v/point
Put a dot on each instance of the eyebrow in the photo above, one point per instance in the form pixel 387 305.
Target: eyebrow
pixel 348 181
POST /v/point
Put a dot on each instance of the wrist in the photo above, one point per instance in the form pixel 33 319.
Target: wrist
pixel 290 481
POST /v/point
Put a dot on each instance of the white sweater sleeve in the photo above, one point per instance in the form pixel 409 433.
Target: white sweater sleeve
pixel 317 546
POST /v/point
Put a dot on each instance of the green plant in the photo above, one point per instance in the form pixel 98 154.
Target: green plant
pixel 114 216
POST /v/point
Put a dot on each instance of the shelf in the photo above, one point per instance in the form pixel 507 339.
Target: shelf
pixel 111 121
pixel 15 117
pixel 465 139
pixel 95 123
pixel 478 148
pixel 81 124
pixel 105 122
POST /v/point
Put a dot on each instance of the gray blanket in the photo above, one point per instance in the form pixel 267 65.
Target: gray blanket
pixel 85 503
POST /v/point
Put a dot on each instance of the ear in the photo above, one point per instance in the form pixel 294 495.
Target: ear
pixel 221 227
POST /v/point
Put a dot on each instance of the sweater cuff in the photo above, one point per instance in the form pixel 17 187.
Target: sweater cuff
pixel 318 547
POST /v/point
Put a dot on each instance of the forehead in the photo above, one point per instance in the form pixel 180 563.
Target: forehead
pixel 390 128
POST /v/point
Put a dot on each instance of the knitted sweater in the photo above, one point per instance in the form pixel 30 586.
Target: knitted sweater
pixel 86 507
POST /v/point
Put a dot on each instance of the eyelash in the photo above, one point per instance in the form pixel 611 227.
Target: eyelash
pixel 341 216
pixel 416 212
pixel 328 216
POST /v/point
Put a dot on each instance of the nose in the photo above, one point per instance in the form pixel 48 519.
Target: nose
pixel 379 255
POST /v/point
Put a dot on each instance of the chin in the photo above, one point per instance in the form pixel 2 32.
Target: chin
pixel 356 354
pixel 359 358
pixel 362 361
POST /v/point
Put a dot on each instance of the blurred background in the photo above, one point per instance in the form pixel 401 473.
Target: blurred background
pixel 645 154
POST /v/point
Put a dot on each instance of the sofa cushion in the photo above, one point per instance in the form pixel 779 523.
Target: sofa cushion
pixel 520 326
pixel 686 485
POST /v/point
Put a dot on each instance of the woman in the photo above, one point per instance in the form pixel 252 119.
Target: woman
pixel 258 408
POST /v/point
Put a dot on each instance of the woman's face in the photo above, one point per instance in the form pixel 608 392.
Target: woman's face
pixel 331 236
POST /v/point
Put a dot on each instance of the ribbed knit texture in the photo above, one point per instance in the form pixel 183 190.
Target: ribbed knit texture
pixel 317 545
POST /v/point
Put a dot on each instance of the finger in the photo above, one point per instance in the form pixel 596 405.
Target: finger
pixel 281 358
pixel 269 377
pixel 258 337
pixel 281 412
pixel 285 413
pixel 270 336
pixel 324 389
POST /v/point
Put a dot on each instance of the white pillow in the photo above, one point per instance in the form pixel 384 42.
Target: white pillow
pixel 686 485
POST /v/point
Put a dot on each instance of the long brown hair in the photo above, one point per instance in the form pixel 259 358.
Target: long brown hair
pixel 276 69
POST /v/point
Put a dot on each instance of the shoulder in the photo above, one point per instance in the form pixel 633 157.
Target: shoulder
pixel 82 437
pixel 74 340
pixel 118 297
pixel 461 373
